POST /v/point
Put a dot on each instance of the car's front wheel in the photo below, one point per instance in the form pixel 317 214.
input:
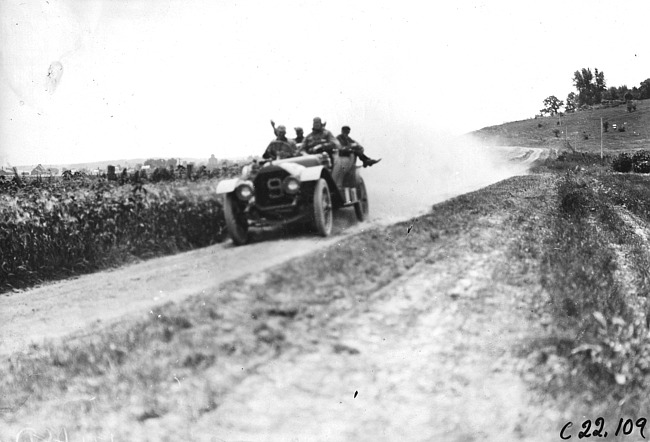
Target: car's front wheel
pixel 323 216
pixel 235 220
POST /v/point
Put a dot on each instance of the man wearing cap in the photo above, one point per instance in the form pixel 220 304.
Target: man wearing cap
pixel 300 135
pixel 320 139
pixel 349 145
pixel 281 147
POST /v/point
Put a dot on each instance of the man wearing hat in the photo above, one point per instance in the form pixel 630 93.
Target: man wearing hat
pixel 350 145
pixel 300 135
pixel 319 136
pixel 281 147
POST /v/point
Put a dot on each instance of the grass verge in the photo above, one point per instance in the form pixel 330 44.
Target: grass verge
pixel 594 270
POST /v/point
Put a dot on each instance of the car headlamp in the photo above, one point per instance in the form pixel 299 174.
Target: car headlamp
pixel 244 192
pixel 291 185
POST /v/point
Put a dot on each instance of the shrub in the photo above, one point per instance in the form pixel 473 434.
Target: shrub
pixel 581 158
pixel 575 198
pixel 622 163
pixel 641 161
pixel 71 227
pixel 621 128
pixel 556 132
pixel 161 174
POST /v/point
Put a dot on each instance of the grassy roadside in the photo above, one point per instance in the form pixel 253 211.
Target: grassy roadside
pixel 594 261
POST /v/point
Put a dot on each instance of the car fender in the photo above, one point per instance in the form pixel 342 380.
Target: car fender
pixel 227 186
pixel 311 173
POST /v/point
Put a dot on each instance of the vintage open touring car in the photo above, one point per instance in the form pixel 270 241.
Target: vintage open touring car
pixel 303 188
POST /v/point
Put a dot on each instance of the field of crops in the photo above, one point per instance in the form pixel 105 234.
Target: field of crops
pixel 51 229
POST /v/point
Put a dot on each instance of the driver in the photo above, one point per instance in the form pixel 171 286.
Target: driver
pixel 281 147
pixel 319 138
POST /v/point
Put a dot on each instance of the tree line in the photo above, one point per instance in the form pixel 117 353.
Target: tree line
pixel 592 89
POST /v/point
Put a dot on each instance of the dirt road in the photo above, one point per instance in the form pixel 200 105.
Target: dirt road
pixel 427 357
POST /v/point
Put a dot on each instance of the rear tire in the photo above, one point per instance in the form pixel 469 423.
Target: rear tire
pixel 323 217
pixel 361 208
pixel 235 220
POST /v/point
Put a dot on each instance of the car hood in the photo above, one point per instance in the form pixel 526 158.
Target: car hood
pixel 305 160
pixel 293 168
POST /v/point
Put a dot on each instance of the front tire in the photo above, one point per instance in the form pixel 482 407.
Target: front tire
pixel 361 207
pixel 235 220
pixel 323 216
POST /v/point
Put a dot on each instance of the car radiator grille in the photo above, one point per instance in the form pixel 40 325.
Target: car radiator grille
pixel 269 191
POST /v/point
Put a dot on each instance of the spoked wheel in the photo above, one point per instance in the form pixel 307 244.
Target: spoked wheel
pixel 323 217
pixel 361 207
pixel 235 220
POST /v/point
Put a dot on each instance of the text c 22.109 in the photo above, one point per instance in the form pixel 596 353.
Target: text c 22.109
pixel 599 429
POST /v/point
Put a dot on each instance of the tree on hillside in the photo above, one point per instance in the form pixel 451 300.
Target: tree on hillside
pixel 600 86
pixel 571 102
pixel 622 90
pixel 611 94
pixel 644 89
pixel 583 83
pixel 551 105
pixel 590 87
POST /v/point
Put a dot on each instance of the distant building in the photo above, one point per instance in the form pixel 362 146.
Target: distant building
pixel 213 162
pixel 39 170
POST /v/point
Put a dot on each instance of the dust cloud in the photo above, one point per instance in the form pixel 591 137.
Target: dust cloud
pixel 420 168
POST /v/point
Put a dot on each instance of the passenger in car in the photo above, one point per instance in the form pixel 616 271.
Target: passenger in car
pixel 281 147
pixel 350 146
pixel 320 139
pixel 300 135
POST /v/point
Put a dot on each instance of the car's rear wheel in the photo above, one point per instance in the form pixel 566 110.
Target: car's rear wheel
pixel 323 216
pixel 361 207
pixel 235 220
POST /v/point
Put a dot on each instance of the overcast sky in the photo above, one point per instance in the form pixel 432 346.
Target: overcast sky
pixel 85 80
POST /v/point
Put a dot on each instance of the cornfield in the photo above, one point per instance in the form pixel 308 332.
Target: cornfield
pixel 54 229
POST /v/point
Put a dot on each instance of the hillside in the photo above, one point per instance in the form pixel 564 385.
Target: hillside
pixel 539 132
